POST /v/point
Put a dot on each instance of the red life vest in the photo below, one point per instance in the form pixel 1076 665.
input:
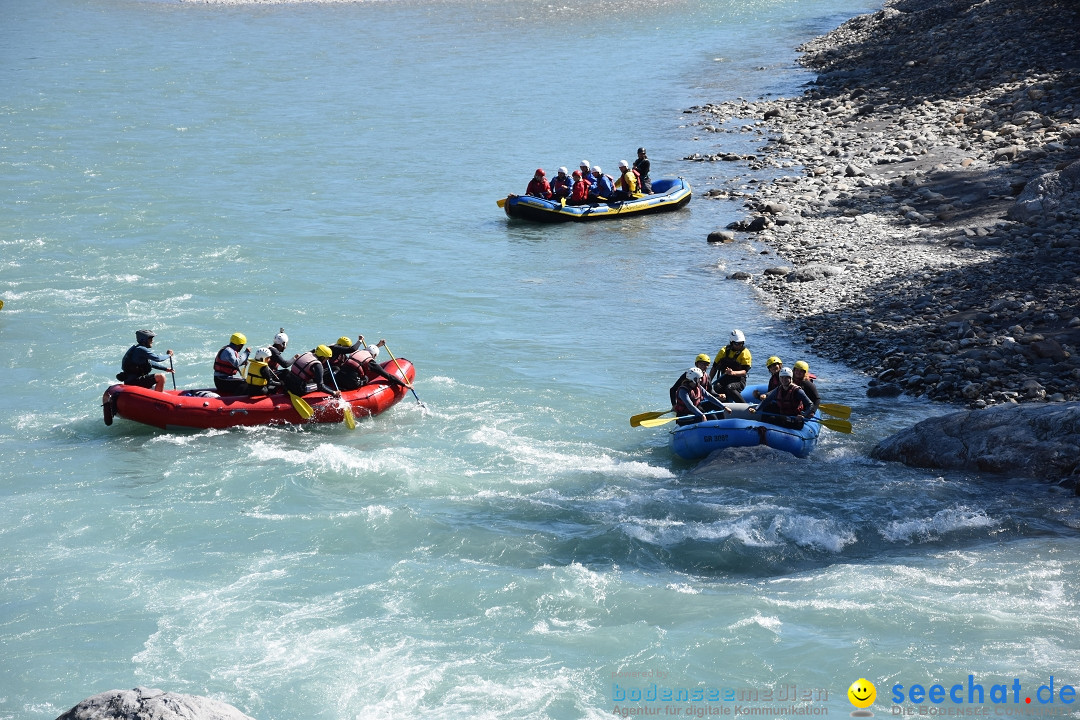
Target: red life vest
pixel 223 363
pixel 788 401
pixel 580 191
pixel 696 393
pixel 302 366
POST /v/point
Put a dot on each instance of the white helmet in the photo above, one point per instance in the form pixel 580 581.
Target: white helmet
pixel 693 375
pixel 281 338
pixel 261 354
pixel 374 350
pixel 786 372
pixel 737 336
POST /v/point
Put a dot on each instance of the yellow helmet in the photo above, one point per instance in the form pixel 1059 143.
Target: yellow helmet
pixel 801 365
pixel 238 339
pixel 324 351
pixel 773 361
pixel 346 341
pixel 703 358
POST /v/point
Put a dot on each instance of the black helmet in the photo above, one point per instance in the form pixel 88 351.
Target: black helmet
pixel 144 336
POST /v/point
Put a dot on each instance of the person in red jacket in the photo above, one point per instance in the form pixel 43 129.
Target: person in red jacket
pixel 579 193
pixel 538 186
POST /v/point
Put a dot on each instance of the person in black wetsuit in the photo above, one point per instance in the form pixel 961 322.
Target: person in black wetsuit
pixel 140 360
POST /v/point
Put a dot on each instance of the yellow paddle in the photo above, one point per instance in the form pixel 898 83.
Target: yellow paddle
pixel 635 420
pixel 301 406
pixel 350 421
pixel 1 304
pixel 840 411
pixel 404 378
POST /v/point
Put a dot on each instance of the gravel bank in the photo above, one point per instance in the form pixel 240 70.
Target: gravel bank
pixel 924 197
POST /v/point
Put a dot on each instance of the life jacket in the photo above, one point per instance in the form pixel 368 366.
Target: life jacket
pixel 637 176
pixel 580 191
pixel 539 188
pixel 337 360
pixel 358 361
pixel 696 393
pixel 732 358
pixel 788 401
pixel 630 182
pixel 302 367
pixel 223 365
pixel 255 375
pixel 561 186
pixel 132 368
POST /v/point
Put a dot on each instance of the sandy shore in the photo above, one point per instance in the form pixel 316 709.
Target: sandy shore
pixel 925 199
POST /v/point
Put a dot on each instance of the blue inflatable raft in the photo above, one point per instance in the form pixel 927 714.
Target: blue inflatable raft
pixel 747 428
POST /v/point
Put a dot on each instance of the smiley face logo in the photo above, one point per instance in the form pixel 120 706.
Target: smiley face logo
pixel 862 693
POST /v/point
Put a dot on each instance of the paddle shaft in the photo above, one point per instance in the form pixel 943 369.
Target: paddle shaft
pixel 346 415
pixel 172 372
pixel 404 377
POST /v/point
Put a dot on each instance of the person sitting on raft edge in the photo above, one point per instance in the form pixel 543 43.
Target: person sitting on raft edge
pixel 693 403
pixel 139 360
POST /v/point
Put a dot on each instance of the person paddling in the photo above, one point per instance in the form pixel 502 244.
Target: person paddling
pixel 693 403
pixel 359 368
pixel 139 360
pixel 227 366
pixel 306 374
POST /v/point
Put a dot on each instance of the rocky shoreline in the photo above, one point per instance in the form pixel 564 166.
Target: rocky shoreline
pixel 924 196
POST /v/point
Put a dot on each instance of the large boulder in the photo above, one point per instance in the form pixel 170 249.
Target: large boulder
pixel 146 704
pixel 1043 195
pixel 1031 440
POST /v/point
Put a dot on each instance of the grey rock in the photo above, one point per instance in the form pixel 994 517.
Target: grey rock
pixel 1031 440
pixel 814 272
pixel 721 236
pixel 150 704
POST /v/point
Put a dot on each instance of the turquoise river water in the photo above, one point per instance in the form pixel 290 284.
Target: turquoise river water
pixel 515 550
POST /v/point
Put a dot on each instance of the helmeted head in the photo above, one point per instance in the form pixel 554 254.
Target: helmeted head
pixel 641 151
pixel 623 165
pixel 261 354
pixel 374 350
pixel 597 171
pixel 784 373
pixel 737 336
pixel 563 171
pixel 238 339
pixel 585 166
pixel 281 338
pixel 774 360
pixel 324 352
pixel 345 341
pixel 539 173
pixel 693 375
pixel 577 174
pixel 802 366
pixel 702 358
pixel 144 337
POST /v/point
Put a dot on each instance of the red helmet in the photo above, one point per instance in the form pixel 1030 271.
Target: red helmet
pixel 540 171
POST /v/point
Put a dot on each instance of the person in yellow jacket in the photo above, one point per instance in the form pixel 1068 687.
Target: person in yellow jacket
pixel 730 368
pixel 628 186
pixel 260 378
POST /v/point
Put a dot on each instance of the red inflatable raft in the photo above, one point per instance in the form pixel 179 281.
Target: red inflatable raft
pixel 187 409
